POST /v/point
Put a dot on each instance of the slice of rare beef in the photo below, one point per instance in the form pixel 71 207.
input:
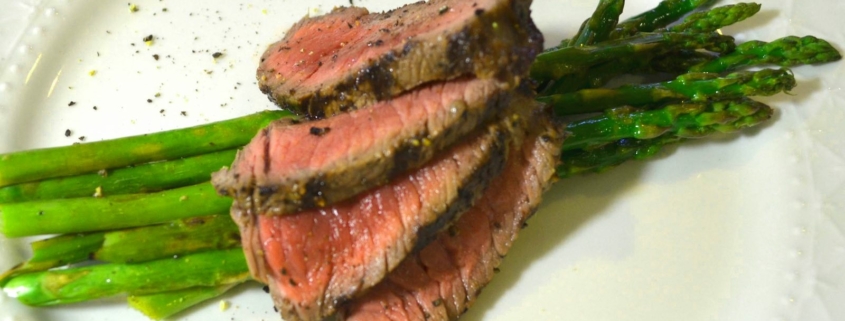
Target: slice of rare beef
pixel 442 280
pixel 350 58
pixel 318 259
pixel 292 167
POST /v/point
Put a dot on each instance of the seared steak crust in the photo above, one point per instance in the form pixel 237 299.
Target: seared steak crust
pixel 292 167
pixel 443 280
pixel 316 260
pixel 350 58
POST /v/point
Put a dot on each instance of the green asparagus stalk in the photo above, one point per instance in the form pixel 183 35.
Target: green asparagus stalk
pixel 141 244
pixel 596 160
pixel 694 86
pixel 557 63
pixel 211 268
pixel 55 252
pixel 163 305
pixel 179 237
pixel 600 25
pixel 89 214
pixel 668 11
pixel 786 52
pixel 144 178
pixel 34 165
pixel 683 120
pixel 717 18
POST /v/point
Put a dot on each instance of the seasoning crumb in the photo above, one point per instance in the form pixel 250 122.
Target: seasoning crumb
pixel 155 56
pixel 266 289
pixel 183 113
pixel 133 8
pixel 71 103
pixel 443 9
pixel 148 40
pixel 95 107
pixel 224 305
pixel 317 131
pixel 149 100
pixel 67 132
pixel 217 55
pixel 161 111
pixel 92 72
pixel 98 192
pixel 163 9
pixel 81 138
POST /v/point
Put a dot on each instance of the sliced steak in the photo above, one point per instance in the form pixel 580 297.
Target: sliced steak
pixel 318 259
pixel 350 58
pixel 291 167
pixel 444 279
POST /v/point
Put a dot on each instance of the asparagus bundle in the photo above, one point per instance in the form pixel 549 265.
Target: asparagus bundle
pixel 162 199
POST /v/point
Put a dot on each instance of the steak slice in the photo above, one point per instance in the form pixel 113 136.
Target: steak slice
pixel 350 58
pixel 317 259
pixel 292 167
pixel 444 279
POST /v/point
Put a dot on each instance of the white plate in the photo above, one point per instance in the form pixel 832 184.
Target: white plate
pixel 746 227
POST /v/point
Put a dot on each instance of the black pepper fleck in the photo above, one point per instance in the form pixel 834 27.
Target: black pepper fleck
pixel 266 289
pixel 183 113
pixel 217 55
pixel 155 57
pixel 149 100
pixel 479 12
pixel 148 38
pixel 81 138
pixel 317 131
pixel 67 132
pixel 71 103
pixel 95 107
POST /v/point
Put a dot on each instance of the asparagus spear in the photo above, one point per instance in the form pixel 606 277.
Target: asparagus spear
pixel 598 27
pixel 693 86
pixel 724 117
pixel 144 178
pixel 179 237
pixel 39 164
pixel 111 212
pixel 163 305
pixel 668 11
pixel 557 63
pixel 92 282
pixel 683 120
pixel 55 252
pixel 716 18
pixel 141 244
pixel 597 160
pixel 786 52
